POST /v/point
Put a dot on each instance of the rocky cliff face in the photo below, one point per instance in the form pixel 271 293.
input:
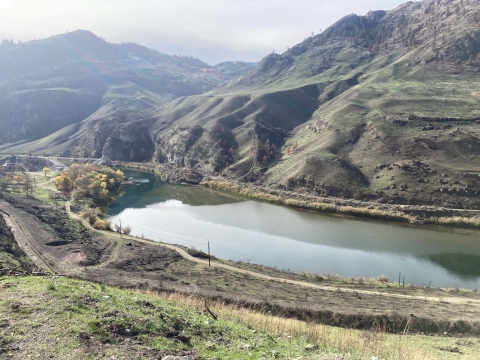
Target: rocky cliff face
pixel 129 142
pixel 193 148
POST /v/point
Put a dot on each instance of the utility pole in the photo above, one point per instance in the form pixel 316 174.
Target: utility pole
pixel 120 220
pixel 208 253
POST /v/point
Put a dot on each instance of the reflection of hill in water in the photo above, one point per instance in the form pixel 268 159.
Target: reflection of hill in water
pixel 466 266
pixel 144 193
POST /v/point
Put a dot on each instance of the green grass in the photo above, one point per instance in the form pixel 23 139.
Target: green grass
pixel 92 319
pixel 64 318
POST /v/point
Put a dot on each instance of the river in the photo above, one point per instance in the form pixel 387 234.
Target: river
pixel 297 240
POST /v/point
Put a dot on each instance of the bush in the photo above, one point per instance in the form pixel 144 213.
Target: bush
pixel 127 230
pixel 90 215
pixel 383 278
pixel 101 225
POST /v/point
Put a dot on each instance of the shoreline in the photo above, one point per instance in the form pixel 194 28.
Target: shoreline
pixel 412 214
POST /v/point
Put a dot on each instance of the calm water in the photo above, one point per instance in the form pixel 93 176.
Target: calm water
pixel 297 240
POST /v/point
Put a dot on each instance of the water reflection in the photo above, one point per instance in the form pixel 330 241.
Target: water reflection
pixel 299 240
pixel 465 266
pixel 148 189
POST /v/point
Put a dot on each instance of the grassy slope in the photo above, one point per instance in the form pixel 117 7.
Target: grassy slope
pixel 60 318
pixel 382 97
pixel 74 139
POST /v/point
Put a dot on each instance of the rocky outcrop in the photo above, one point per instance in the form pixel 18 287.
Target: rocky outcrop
pixel 129 143
pixel 194 148
pixel 178 175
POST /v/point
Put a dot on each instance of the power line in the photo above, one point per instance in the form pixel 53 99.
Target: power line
pixel 171 236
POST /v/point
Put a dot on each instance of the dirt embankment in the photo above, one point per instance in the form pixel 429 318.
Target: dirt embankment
pixel 11 254
pixel 72 250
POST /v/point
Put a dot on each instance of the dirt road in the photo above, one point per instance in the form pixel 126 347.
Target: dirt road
pixel 24 239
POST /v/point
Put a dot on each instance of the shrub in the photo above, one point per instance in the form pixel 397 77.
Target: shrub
pixel 100 224
pixel 127 230
pixel 90 215
pixel 51 286
pixel 383 278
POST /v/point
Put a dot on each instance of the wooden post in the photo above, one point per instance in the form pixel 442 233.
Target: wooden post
pixel 208 253
pixel 399 275
pixel 120 220
pixel 403 280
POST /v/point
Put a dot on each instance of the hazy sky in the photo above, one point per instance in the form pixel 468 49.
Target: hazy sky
pixel 213 30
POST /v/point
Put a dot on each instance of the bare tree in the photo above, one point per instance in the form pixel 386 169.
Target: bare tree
pixel 127 230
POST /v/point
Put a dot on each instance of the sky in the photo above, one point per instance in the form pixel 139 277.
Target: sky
pixel 212 30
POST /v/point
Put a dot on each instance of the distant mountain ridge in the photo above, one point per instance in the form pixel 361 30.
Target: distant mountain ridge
pixel 76 69
pixel 379 107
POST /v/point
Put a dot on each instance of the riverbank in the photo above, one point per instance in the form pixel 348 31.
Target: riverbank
pixel 404 213
pixel 414 214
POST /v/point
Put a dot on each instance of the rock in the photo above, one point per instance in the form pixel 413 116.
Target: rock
pixel 128 143
pixel 171 357
pixel 311 347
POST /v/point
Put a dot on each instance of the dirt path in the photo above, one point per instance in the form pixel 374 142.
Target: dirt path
pixel 116 244
pixel 24 240
pixel 186 255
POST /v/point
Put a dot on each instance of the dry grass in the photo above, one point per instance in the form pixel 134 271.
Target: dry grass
pixel 458 221
pixel 359 344
pixel 302 204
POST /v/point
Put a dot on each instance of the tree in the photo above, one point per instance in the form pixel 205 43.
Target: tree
pixel 28 185
pixel 132 155
pixel 470 60
pixel 18 179
pixel 120 175
pixel 159 155
pixel 3 185
pixel 64 183
pixel 46 171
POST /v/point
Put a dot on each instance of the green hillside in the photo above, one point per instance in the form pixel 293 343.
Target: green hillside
pixel 60 318
pixel 378 107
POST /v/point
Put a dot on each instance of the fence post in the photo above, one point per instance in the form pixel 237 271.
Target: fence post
pixel 209 253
